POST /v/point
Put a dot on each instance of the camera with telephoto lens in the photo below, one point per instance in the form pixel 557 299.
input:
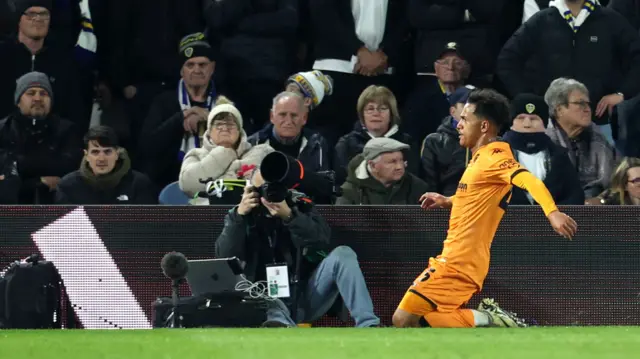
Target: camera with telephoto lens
pixel 282 173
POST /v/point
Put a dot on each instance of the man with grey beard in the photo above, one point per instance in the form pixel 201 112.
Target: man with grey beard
pixel 578 39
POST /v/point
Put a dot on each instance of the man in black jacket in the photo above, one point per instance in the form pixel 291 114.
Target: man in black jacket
pixel 43 146
pixel 537 153
pixel 177 118
pixel 259 233
pixel 105 175
pixel 359 44
pixel 443 159
pixel 577 39
pixel 33 49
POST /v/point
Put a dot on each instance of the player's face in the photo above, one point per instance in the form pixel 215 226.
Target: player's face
pixel 469 127
pixel 633 182
pixel 526 123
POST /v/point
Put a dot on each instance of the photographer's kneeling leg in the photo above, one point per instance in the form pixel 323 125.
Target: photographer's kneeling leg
pixel 339 274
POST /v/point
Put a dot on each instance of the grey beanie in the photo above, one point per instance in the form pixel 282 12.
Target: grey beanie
pixel 30 80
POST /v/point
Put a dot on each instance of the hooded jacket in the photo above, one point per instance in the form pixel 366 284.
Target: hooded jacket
pixel 120 186
pixel 357 191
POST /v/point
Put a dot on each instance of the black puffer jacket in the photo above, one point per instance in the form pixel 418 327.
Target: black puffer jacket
pixel 604 55
pixel 258 37
pixel 440 22
pixel 54 151
pixel 352 144
pixel 443 159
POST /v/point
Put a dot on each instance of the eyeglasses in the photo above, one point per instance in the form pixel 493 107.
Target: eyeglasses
pixel 32 15
pixel 380 109
pixel 582 104
pixel 224 125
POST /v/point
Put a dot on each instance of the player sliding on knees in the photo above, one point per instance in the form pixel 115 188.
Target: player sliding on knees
pixel 436 298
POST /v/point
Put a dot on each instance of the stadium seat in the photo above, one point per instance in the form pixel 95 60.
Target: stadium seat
pixel 173 195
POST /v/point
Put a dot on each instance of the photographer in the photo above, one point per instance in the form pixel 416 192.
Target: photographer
pixel 259 232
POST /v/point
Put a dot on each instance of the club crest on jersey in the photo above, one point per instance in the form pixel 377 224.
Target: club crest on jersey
pixel 530 108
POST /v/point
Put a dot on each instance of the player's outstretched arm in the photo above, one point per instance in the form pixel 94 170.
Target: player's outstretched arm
pixel 561 223
pixel 432 200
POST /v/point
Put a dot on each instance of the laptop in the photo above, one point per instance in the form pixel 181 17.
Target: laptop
pixel 214 276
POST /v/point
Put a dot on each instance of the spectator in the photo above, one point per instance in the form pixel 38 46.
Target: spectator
pixel 358 43
pixel 625 185
pixel 630 9
pixel 428 104
pixel 539 155
pixel 600 50
pixel 379 117
pixel 258 53
pixel 105 175
pixel 34 50
pixel 443 159
pixel 378 176
pixel 313 86
pixel 287 133
pixel 142 38
pixel 177 118
pixel 43 146
pixel 571 128
pixel 472 24
pixel 224 150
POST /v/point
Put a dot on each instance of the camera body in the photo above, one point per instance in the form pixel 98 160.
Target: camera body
pixel 273 192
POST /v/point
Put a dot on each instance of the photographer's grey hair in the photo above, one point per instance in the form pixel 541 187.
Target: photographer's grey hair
pixel 288 94
pixel 558 92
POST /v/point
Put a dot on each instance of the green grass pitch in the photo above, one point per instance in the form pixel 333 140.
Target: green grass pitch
pixel 325 343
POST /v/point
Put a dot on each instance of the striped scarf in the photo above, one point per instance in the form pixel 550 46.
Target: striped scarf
pixel 87 44
pixel 575 22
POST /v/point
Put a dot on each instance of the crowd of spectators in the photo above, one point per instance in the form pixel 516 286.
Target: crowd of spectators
pixel 112 101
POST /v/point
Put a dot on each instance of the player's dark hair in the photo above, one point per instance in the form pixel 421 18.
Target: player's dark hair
pixel 491 105
pixel 103 135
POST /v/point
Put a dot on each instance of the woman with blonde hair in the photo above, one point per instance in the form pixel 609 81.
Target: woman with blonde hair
pixel 225 153
pixel 625 185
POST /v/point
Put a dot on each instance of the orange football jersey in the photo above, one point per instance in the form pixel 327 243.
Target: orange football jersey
pixel 483 194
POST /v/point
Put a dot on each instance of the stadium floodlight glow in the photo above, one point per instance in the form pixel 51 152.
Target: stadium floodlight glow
pixel 97 290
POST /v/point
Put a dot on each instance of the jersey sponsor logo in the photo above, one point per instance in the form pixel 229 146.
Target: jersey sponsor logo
pixel 496 151
pixel 462 187
pixel 509 163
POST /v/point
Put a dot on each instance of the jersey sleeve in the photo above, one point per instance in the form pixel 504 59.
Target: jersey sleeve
pixel 503 167
pixel 506 169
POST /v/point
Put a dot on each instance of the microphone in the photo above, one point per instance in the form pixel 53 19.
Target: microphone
pixel 174 265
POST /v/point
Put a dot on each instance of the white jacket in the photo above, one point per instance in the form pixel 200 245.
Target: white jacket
pixel 218 162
